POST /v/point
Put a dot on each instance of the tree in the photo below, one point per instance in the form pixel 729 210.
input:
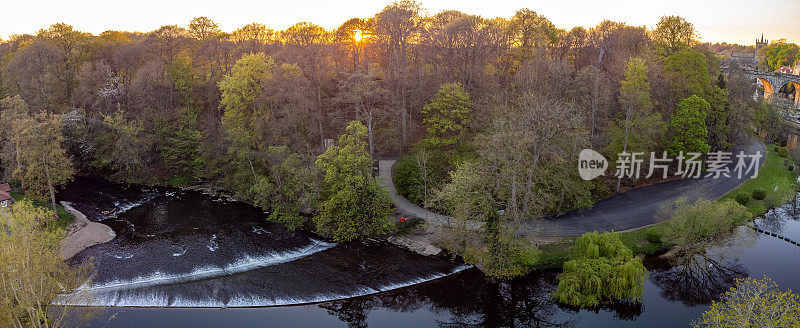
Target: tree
pixel 33 278
pixel 240 89
pixel 600 270
pixel 290 189
pixel 692 228
pixel 447 115
pixel 126 154
pixel 592 91
pixel 252 36
pixel 641 128
pixel 753 303
pixel 365 93
pixel 687 74
pixel 203 28
pixel 779 54
pixel 688 127
pixel 674 33
pixel 355 205
pixel 36 73
pixel 43 163
pixel 396 27
pixel 307 45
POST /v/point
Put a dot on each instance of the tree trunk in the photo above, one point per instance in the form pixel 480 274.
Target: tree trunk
pixel 50 186
pixel 624 146
pixel 319 116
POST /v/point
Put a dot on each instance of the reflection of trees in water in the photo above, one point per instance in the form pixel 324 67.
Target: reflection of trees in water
pixel 467 300
pixel 775 220
pixel 698 276
pixel 697 279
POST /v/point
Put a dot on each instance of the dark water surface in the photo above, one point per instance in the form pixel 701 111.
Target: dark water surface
pixel 185 249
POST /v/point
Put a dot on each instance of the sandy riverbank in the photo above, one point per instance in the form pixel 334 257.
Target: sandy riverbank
pixel 82 234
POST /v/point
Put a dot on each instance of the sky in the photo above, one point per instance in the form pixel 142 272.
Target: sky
pixel 732 21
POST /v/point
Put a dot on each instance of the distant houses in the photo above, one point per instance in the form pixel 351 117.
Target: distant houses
pixel 5 196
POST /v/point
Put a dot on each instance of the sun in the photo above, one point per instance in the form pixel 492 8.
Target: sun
pixel 357 35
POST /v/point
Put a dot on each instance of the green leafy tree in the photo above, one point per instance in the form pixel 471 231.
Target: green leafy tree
pixel 693 227
pixel 687 74
pixel 447 115
pixel 290 189
pixel 43 162
pixel 639 129
pixel 600 270
pixel 127 145
pixel 753 303
pixel 688 127
pixel 32 274
pixel 355 205
pixel 674 33
pixel 779 54
pixel 240 90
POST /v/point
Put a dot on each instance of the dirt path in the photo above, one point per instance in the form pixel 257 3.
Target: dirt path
pixel 82 234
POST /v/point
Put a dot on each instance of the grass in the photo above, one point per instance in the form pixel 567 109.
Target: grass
pixel 64 217
pixel 773 174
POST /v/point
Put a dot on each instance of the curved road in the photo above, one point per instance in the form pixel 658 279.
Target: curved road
pixel 633 209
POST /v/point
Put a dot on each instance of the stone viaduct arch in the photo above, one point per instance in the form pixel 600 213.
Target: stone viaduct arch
pixel 774 82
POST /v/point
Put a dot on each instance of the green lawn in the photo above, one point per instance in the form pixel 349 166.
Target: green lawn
pixel 773 174
pixel 64 217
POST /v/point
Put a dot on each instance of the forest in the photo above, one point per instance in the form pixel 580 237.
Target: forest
pixel 488 115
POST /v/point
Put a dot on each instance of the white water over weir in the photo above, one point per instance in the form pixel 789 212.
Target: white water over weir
pixel 184 249
pixel 135 298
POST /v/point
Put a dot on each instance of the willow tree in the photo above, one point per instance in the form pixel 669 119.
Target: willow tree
pixel 600 270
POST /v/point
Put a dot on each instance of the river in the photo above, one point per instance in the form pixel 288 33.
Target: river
pixel 184 259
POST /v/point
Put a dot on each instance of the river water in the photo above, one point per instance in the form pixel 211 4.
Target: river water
pixel 184 259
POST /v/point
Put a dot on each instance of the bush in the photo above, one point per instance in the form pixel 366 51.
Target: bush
pixel 783 152
pixel 743 198
pixel 759 193
pixel 652 235
pixel 790 167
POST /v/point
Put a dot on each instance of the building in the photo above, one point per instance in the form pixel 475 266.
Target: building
pixel 796 70
pixel 784 70
pixel 5 196
pixel 760 44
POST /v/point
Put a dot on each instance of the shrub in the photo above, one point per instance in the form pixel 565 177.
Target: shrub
pixel 653 235
pixel 783 152
pixel 759 193
pixel 790 167
pixel 743 198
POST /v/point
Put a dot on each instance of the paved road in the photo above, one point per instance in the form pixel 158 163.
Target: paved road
pixel 629 210
pixel 638 207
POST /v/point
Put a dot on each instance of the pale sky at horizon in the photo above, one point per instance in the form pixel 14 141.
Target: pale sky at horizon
pixel 732 21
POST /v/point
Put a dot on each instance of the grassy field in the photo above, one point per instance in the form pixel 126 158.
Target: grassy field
pixel 64 217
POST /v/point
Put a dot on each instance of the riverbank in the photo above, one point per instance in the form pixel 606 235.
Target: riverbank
pixel 82 233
